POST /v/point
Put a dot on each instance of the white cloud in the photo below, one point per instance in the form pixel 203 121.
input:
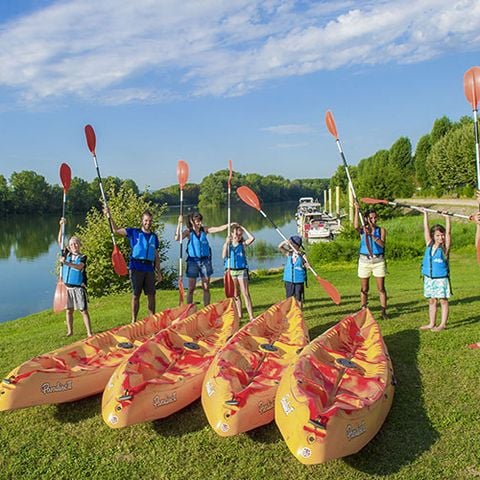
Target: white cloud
pixel 155 50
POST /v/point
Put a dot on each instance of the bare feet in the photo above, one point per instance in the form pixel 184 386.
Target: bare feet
pixel 69 334
pixel 474 346
pixel 427 327
pixel 438 329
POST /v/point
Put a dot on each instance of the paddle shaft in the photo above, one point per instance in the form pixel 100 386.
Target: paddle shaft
pixel 431 210
pixel 229 195
pixel 289 242
pixel 477 147
pixel 104 197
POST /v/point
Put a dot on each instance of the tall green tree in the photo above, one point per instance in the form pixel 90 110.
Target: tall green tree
pixel 5 196
pixel 401 154
pixel 31 193
pixel 424 146
pixel 440 128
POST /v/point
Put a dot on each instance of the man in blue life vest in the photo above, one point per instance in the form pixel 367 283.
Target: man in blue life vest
pixel 144 264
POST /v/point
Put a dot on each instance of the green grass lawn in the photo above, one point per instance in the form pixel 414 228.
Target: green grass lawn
pixel 432 431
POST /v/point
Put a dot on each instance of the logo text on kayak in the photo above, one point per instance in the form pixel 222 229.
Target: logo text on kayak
pixel 160 402
pixel 46 388
pixel 353 432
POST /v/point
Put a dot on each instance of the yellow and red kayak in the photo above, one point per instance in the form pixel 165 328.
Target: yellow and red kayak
pixel 82 368
pixel 165 374
pixel 335 397
pixel 239 389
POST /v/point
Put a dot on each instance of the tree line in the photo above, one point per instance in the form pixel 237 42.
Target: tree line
pixel 28 192
pixel 443 164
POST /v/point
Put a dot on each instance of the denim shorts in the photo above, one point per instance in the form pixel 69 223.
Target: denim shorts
pixel 199 267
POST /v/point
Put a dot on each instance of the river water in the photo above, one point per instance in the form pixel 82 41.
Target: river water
pixel 28 252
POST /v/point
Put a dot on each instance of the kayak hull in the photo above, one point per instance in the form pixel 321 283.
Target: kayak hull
pixel 240 385
pixel 335 397
pixel 82 368
pixel 166 373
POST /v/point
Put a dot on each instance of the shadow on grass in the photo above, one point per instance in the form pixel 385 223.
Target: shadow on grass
pixel 187 420
pixel 407 431
pixel 78 410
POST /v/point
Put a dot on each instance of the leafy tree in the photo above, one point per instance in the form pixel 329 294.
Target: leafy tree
pixel 126 208
pixel 401 154
pixel 81 195
pixel 440 128
pixel 5 196
pixel 32 194
pixel 213 189
pixel 422 151
pixel 451 162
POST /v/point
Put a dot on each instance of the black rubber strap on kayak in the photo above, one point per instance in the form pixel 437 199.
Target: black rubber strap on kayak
pixel 192 345
pixel 268 347
pixel 125 345
pixel 345 362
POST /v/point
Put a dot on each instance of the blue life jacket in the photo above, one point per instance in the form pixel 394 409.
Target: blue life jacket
pixel 294 272
pixel 71 276
pixel 145 246
pixel 436 265
pixel 238 259
pixel 198 246
pixel 376 249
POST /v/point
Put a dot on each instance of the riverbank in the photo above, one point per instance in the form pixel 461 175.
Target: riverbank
pixel 431 431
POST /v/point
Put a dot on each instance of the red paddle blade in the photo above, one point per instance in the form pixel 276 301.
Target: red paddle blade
pixel 60 297
pixel 65 176
pixel 228 285
pixel 471 86
pixel 248 196
pixel 330 290
pixel 91 139
pixel 118 262
pixel 182 173
pixel 230 174
pixel 372 201
pixel 181 291
pixel 332 128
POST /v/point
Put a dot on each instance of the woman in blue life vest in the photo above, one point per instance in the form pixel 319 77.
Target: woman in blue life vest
pixel 74 277
pixel 144 263
pixel 436 272
pixel 371 259
pixel 199 255
pixel 234 247
pixel 295 271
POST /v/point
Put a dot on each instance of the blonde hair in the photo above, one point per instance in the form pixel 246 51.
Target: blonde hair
pixel 74 238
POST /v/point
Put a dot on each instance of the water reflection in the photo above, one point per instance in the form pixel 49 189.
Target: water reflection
pixel 28 251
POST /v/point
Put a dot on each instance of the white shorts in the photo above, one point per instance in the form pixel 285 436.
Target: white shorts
pixel 369 266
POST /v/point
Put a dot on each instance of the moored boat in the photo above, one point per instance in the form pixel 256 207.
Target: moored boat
pixel 335 397
pixel 239 388
pixel 82 368
pixel 165 374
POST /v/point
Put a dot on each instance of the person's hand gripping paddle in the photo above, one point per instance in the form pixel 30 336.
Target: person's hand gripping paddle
pixel 182 176
pixel 227 278
pixel 60 296
pixel 248 196
pixel 471 85
pixel 118 261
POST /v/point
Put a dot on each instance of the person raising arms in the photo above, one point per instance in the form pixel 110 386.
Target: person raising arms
pixel 199 255
pixel 234 247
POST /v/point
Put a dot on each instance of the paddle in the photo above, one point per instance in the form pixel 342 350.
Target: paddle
pixel 373 201
pixel 118 261
pixel 248 196
pixel 60 295
pixel 471 86
pixel 332 128
pixel 227 278
pixel 182 175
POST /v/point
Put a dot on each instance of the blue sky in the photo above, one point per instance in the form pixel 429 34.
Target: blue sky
pixel 208 80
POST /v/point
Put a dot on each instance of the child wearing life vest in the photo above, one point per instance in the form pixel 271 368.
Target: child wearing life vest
pixel 234 249
pixel 371 260
pixel 436 271
pixel 295 271
pixel 74 277
pixel 199 255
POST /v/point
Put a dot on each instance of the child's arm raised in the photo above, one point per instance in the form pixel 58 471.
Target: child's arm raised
pixel 426 228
